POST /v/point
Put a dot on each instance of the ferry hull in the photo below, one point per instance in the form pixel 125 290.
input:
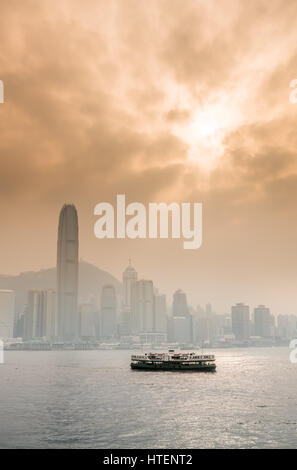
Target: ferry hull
pixel 174 367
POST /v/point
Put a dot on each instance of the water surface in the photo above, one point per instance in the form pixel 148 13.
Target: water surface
pixel 91 399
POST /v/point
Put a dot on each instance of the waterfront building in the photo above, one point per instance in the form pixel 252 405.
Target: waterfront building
pixel 241 321
pixel 7 301
pixel 108 312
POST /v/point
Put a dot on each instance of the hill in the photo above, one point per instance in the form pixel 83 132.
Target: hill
pixel 91 280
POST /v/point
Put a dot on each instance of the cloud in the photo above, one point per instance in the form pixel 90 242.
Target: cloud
pixel 94 95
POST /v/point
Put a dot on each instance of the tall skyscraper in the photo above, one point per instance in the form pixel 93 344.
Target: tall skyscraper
pixel 6 313
pixel 160 313
pixel 108 313
pixel 264 322
pixel 87 325
pixel 67 274
pixel 144 306
pixel 241 321
pixel 51 320
pixel 182 323
pixel 180 305
pixel 129 279
pixel 128 321
pixel 34 315
pixel 39 319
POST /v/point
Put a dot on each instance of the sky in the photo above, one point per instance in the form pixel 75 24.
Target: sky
pixel 161 101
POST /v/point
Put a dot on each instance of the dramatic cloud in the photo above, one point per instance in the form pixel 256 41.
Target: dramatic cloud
pixel 160 100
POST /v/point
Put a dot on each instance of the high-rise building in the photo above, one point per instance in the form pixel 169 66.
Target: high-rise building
pixel 263 322
pixel 208 325
pixel 86 328
pixel 18 328
pixel 6 313
pixel 67 274
pixel 205 329
pixel 208 309
pixel 182 330
pixel 40 315
pixel 160 313
pixel 34 315
pixel 143 309
pixel 125 323
pixel 180 305
pixel 128 318
pixel 182 321
pixel 108 312
pixel 287 327
pixel 129 279
pixel 241 321
pixel 51 318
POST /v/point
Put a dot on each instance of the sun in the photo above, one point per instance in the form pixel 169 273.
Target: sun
pixel 205 133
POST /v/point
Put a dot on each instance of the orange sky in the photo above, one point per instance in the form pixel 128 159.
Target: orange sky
pixel 163 101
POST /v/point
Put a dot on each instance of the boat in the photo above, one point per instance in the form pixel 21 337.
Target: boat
pixel 173 361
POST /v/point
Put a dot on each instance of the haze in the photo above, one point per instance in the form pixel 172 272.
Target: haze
pixel 162 101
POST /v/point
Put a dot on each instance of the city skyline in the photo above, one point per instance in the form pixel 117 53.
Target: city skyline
pixel 148 194
pixel 54 318
pixel 140 314
pixel 69 219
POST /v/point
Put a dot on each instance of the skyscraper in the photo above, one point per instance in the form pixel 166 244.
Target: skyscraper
pixel 181 319
pixel 128 321
pixel 51 323
pixel 160 313
pixel 129 279
pixel 144 306
pixel 180 305
pixel 86 321
pixel 34 315
pixel 264 321
pixel 6 313
pixel 287 326
pixel 67 273
pixel 241 321
pixel 108 313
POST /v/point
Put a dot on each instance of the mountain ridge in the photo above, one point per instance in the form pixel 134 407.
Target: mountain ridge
pixel 91 280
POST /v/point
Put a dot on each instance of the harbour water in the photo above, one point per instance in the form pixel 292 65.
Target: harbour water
pixel 91 399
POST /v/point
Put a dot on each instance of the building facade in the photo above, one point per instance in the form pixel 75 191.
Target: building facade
pixel 7 301
pixel 240 314
pixel 108 312
pixel 67 274
pixel 263 322
pixel 143 309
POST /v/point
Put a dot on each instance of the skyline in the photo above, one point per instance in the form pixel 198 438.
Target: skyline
pixel 198 111
pixel 68 231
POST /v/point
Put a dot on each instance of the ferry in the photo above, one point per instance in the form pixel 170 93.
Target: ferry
pixel 173 361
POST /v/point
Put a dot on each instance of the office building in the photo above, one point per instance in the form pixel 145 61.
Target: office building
pixel 51 317
pixel 86 323
pixel 67 274
pixel 7 300
pixel 241 321
pixel 263 322
pixel 180 305
pixel 108 312
pixel 143 308
pixel 34 315
pixel 160 313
